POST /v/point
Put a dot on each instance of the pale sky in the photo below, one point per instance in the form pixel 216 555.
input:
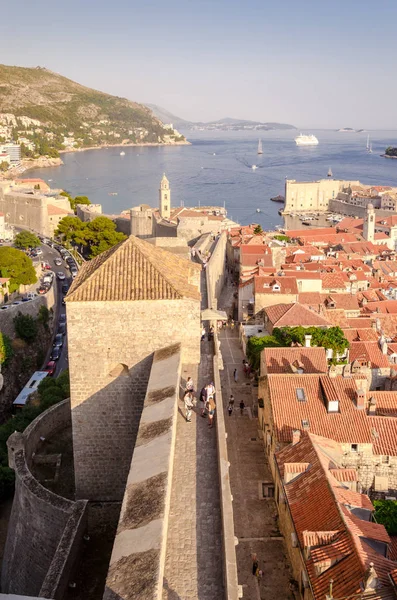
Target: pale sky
pixel 323 63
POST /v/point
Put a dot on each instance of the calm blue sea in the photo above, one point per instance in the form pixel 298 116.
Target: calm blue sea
pixel 217 169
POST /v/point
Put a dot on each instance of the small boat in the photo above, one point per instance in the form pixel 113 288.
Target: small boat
pixel 260 151
pixel 122 153
pixel 278 198
pixel 258 210
pixel 330 174
pixel 254 167
pixel 305 223
pixel 112 194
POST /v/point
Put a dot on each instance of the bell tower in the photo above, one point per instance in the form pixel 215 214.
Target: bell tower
pixel 369 224
pixel 165 198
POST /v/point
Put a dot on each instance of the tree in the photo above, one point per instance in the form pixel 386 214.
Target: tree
pixel 4 166
pixel 44 315
pixel 386 514
pixel 17 266
pixel 6 350
pixel 101 235
pixel 71 229
pixel 77 200
pixel 258 229
pixel 25 239
pixel 25 327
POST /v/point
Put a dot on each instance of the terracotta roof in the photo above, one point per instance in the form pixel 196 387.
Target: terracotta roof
pixel 385 402
pixel 56 210
pixel 370 351
pixel 360 335
pixel 341 301
pixel 336 540
pixel 344 475
pixel 384 306
pixel 279 360
pixel 292 315
pixel 350 425
pixel 135 270
pixel 264 285
pixel 332 281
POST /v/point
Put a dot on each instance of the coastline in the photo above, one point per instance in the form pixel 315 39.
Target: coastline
pixel 387 156
pixel 136 145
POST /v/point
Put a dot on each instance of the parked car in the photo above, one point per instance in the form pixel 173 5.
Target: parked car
pixel 65 288
pixel 17 302
pixel 4 307
pixel 55 353
pixel 46 266
pixel 43 289
pixel 50 367
pixel 62 318
pixel 38 251
pixel 60 275
pixel 73 270
pixel 58 261
pixel 73 274
pixel 58 341
pixel 62 328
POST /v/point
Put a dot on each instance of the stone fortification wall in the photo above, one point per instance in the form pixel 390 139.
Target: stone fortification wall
pixel 27 308
pixel 45 530
pixel 216 271
pixel 306 196
pixel 25 210
pixel 88 212
pixel 189 228
pixel 123 224
pixel 142 222
pixel 138 557
pixel 162 229
pixel 110 353
pixel 343 208
pixel 230 579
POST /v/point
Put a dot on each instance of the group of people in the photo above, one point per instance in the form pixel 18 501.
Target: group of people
pixel 207 400
pixel 210 333
pixel 230 407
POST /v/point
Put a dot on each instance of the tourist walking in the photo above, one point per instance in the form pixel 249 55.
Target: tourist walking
pixel 211 411
pixel 203 332
pixel 203 399
pixel 235 375
pixel 231 400
pixel 255 565
pixel 188 400
pixel 242 406
pixel 230 409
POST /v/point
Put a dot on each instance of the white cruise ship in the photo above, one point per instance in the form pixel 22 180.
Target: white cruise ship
pixel 306 140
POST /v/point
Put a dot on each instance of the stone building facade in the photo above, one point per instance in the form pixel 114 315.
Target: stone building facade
pixel 125 304
pixel 312 196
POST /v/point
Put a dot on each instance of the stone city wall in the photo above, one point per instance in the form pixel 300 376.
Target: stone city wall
pixel 189 228
pixel 216 271
pixel 143 525
pixel 45 530
pixel 228 538
pixel 110 352
pixel 26 308
pixel 344 208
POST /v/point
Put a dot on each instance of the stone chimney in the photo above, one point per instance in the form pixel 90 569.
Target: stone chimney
pixel 308 339
pixel 372 406
pixel 360 399
pixel 371 581
pixel 384 347
pixel 296 436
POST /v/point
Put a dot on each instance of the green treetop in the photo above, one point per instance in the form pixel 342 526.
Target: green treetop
pixel 25 239
pixel 17 266
pixel 93 237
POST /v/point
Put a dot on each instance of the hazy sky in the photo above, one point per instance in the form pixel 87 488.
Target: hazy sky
pixel 312 63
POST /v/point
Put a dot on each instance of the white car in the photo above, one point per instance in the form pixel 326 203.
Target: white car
pixel 38 251
pixel 60 275
pixel 58 261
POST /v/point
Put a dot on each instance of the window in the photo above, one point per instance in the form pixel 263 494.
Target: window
pixel 354 447
pixel 305 424
pixel 165 197
pixel 300 394
pixel 267 490
pixel 165 207
pixel 385 460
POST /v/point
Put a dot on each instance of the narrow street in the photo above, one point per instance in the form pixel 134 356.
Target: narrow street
pixel 254 516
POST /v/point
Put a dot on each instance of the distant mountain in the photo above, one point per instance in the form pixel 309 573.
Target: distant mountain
pixel 226 124
pixel 44 108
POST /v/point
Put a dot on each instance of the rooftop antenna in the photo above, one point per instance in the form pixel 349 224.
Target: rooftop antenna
pixel 330 596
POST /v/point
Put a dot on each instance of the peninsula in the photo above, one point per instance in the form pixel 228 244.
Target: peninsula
pixel 45 113
pixel 390 152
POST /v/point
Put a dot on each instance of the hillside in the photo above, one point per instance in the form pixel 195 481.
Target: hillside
pixel 61 108
pixel 226 124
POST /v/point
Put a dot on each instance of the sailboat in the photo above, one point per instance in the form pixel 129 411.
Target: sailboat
pixel 260 151
pixel 369 146
pixel 330 174
pixel 370 149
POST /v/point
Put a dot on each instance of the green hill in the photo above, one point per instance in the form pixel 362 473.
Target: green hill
pixel 65 108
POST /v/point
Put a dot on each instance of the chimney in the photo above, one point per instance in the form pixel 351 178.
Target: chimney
pixel 371 582
pixel 372 406
pixel 308 339
pixel 360 399
pixel 296 436
pixel 384 347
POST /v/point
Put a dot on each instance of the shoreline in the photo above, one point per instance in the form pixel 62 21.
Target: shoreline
pixel 132 145
pixel 387 156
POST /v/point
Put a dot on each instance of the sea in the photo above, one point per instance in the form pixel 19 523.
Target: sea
pixel 216 169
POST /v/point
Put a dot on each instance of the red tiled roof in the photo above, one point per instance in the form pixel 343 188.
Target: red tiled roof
pixel 350 425
pixel 386 403
pixel 370 351
pixel 333 281
pixel 360 335
pixel 334 537
pixel 279 360
pixel 344 475
pixel 341 301
pixel 264 285
pixel 293 315
pixel 55 210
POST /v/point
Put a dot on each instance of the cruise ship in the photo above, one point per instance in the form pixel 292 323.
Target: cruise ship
pixel 306 140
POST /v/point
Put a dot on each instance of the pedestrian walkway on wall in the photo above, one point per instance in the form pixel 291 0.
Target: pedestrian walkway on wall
pixel 255 518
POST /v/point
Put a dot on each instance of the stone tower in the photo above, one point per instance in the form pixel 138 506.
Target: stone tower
pixel 165 198
pixel 369 224
pixel 141 221
pixel 125 304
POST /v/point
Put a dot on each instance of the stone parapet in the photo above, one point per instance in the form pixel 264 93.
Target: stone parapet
pixel 137 563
